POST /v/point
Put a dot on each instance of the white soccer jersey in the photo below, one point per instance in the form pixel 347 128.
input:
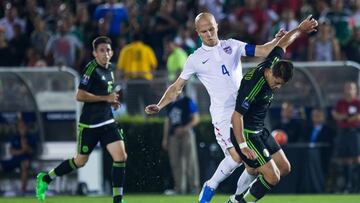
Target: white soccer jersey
pixel 219 70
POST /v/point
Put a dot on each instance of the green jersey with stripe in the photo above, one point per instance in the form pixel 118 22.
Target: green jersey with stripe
pixel 254 95
pixel 98 81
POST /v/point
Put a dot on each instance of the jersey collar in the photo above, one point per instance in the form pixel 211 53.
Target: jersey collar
pixel 208 48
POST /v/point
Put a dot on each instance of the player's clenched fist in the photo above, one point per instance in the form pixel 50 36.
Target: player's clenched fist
pixel 152 109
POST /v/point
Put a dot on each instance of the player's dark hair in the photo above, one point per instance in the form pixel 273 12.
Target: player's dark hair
pixel 283 69
pixel 100 40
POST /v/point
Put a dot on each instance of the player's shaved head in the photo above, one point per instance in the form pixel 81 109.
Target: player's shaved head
pixel 204 16
pixel 207 28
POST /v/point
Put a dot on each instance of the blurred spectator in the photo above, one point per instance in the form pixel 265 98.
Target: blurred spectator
pixel 253 19
pixel 163 25
pixel 319 132
pixel 340 18
pixel 184 40
pixel 39 37
pixel 18 45
pixel 214 7
pixel 22 151
pixel 321 9
pixel 287 21
pixel 292 125
pixel 175 60
pixel 347 115
pixel 116 14
pixel 179 141
pixel 136 63
pixel 352 48
pixel 324 46
pixel 7 57
pixel 64 49
pixel 9 20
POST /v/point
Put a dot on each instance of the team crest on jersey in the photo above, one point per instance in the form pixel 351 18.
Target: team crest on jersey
pixel 228 50
pixel 85 80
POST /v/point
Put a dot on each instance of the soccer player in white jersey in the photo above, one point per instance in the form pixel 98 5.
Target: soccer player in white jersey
pixel 217 64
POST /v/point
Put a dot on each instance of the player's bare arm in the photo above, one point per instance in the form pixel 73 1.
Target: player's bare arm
pixel 171 93
pixel 84 96
pixel 306 26
pixel 265 49
pixel 238 128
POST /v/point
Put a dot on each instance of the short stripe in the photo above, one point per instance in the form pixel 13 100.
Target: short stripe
pixel 260 159
pixel 79 138
pixel 121 133
pixel 119 164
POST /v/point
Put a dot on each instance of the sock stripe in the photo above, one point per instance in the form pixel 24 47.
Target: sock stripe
pixel 248 197
pixel 72 164
pixel 52 173
pixel 119 164
pixel 263 181
pixel 117 191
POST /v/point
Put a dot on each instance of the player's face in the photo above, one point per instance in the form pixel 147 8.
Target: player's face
pixel 103 54
pixel 207 30
pixel 275 82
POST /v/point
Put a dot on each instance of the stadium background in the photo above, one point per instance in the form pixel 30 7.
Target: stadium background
pixel 42 87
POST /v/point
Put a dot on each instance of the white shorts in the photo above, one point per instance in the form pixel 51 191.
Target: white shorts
pixel 222 134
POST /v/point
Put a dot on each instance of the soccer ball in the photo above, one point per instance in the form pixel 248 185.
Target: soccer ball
pixel 280 136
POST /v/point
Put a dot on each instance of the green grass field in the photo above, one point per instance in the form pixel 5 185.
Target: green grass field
pixel 139 198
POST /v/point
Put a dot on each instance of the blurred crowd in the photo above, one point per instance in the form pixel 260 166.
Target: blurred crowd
pixel 58 32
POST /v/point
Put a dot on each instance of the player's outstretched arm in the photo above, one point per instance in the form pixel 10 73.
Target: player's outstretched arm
pixel 170 95
pixel 306 26
pixel 265 49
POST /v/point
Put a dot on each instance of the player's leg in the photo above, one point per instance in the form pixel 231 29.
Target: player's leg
pixel 192 163
pixel 263 164
pixel 282 162
pixel 176 160
pixel 268 178
pixel 24 172
pixel 230 162
pixel 86 141
pixel 277 154
pixel 113 140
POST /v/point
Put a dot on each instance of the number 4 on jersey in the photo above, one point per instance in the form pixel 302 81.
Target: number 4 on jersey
pixel 224 70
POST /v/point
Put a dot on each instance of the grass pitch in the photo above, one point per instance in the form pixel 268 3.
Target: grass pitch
pixel 141 198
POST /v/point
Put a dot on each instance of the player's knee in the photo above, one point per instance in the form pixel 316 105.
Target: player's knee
pixel 273 177
pixel 252 171
pixel 285 170
pixel 80 162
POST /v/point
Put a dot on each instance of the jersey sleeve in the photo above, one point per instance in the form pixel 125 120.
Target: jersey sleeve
pixel 250 86
pixel 189 69
pixel 245 48
pixel 87 78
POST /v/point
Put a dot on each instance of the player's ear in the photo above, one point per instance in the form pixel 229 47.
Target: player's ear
pixel 94 53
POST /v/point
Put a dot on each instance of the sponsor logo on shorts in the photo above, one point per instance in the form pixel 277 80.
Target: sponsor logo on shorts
pixel 266 153
pixel 245 104
pixel 85 148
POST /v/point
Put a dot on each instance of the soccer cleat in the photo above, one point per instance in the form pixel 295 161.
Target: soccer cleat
pixel 232 199
pixel 41 186
pixel 206 194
